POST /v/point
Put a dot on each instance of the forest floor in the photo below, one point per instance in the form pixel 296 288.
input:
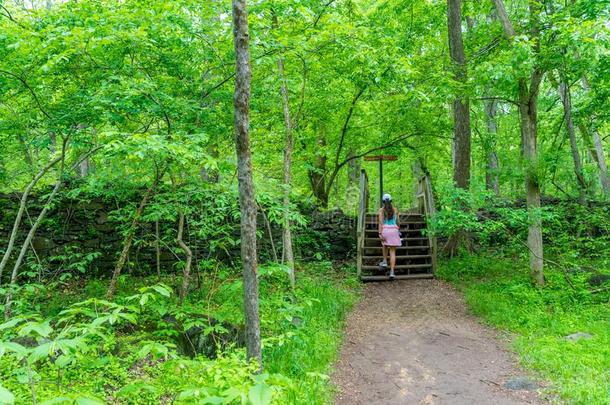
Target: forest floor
pixel 414 342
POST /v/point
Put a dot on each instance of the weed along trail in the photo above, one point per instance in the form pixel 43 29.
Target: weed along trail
pixel 414 342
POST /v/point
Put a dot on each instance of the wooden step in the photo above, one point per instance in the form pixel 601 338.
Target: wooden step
pixel 401 223
pixel 407 239
pixel 379 257
pixel 402 214
pixel 398 247
pixel 400 266
pixel 397 277
pixel 402 230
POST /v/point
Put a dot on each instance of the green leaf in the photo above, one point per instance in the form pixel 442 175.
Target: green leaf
pixel 57 400
pixel 260 394
pixel 6 397
pixel 163 290
pixel 11 323
pixel 20 351
pixel 89 401
pixel 43 329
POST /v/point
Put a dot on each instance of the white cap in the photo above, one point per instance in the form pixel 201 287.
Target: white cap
pixel 387 197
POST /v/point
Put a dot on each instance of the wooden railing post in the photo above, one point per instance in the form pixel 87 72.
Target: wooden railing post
pixel 362 209
pixel 427 207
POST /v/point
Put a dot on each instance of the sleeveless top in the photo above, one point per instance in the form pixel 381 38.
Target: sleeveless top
pixel 390 221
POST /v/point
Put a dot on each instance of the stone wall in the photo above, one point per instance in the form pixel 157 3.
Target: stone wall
pixel 85 235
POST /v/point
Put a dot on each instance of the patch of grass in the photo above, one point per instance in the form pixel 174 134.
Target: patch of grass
pixel 499 290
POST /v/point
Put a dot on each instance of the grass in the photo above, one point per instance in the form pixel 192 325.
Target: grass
pixel 498 289
pixel 301 333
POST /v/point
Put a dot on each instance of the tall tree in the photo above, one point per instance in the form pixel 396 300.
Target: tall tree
pixel 600 158
pixel 247 203
pixel 461 111
pixel 461 103
pixel 527 100
pixel 492 181
pixel 287 254
pixel 566 98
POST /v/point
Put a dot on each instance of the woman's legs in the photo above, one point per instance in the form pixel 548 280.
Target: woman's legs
pixel 392 260
pixel 384 252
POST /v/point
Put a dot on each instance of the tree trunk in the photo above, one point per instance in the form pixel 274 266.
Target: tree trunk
pixel 601 162
pixel 529 131
pixel 287 254
pixel 599 153
pixel 189 258
pixel 158 249
pixel 317 174
pixel 564 92
pixel 270 233
pixel 247 203
pixel 491 175
pixel 21 210
pixel 30 235
pixel 461 104
pixel 461 114
pixel 129 238
pixel 528 116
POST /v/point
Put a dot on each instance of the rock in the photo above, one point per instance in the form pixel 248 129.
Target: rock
pixel 520 384
pixel 598 279
pixel 575 337
pixel 42 243
pixel 296 321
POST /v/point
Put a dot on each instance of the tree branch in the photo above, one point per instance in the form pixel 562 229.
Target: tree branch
pixel 30 89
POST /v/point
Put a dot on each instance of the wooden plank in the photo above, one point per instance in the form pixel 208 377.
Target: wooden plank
pixel 402 230
pixel 399 257
pixel 398 277
pixel 400 266
pixel 399 247
pixel 377 239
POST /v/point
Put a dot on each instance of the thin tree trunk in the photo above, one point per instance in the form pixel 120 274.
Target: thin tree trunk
pixel 599 153
pixel 528 114
pixel 189 258
pixel 31 233
pixel 491 176
pixel 247 202
pixel 270 233
pixel 158 249
pixel 316 175
pixel 129 238
pixel 287 254
pixel 21 210
pixel 601 162
pixel 564 92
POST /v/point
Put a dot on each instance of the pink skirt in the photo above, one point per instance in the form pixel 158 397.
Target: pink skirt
pixel 391 236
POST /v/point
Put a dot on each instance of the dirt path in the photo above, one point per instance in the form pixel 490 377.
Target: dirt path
pixel 413 342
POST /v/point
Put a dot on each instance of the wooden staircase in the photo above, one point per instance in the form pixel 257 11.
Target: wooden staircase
pixel 414 259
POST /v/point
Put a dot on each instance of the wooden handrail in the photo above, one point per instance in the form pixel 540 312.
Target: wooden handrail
pixel 427 207
pixel 362 209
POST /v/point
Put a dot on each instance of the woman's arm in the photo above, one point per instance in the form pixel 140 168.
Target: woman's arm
pixel 397 215
pixel 380 221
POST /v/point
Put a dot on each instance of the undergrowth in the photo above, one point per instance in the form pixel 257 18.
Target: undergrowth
pixel 67 345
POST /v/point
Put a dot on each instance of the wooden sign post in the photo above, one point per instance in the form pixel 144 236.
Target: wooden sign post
pixel 380 158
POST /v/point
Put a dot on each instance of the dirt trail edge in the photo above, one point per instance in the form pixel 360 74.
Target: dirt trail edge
pixel 414 342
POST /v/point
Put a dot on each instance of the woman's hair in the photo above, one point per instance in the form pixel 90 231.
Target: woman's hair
pixel 388 209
